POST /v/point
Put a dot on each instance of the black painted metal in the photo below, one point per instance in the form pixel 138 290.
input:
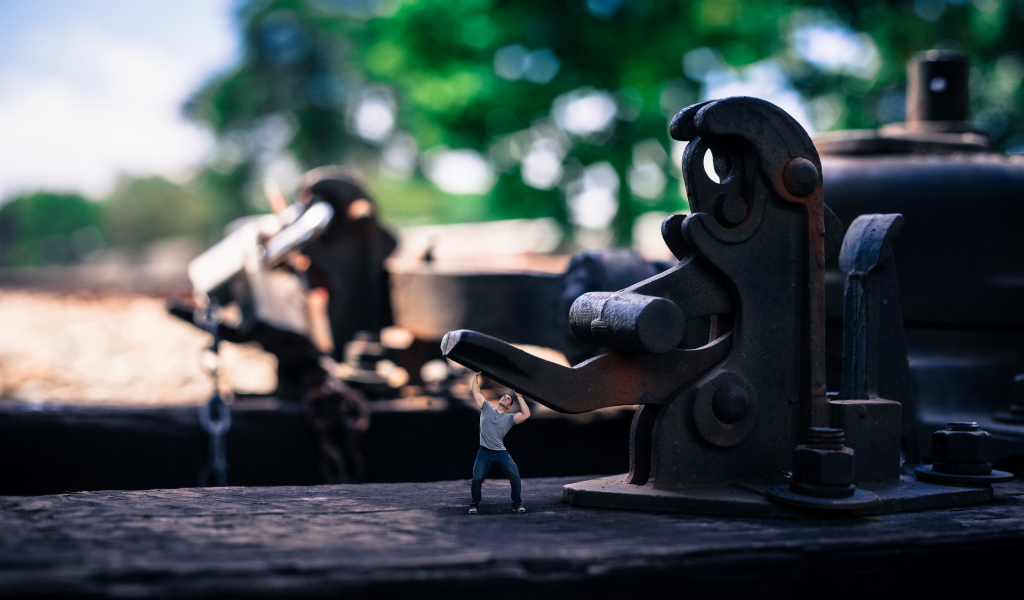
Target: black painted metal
pixel 348 259
pixel 823 475
pixel 961 454
pixel 875 363
pixel 937 91
pixel 345 248
pixel 961 254
pixel 57 449
pixel 758 274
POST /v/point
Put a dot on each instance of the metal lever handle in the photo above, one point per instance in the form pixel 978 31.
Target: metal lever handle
pixel 627 322
pixel 650 316
pixel 612 379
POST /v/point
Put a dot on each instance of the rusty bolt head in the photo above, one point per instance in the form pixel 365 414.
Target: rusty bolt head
pixel 823 467
pixel 800 177
pixel 962 443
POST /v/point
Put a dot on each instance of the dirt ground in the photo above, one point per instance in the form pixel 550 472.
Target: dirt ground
pixel 112 349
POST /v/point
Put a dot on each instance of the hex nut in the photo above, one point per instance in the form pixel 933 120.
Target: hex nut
pixel 823 467
pixel 961 446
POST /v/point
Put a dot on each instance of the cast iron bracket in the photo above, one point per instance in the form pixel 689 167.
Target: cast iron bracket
pixel 717 425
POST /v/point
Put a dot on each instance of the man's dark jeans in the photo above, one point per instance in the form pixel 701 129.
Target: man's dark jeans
pixel 484 459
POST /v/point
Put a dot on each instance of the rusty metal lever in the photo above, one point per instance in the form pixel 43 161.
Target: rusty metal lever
pixel 614 379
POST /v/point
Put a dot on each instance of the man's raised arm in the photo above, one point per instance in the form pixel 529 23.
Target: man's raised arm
pixel 519 417
pixel 475 387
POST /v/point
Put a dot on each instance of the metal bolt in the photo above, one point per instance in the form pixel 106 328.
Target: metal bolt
pixel 823 466
pixel 730 403
pixel 963 426
pixel 962 448
pixel 825 438
pixel 800 176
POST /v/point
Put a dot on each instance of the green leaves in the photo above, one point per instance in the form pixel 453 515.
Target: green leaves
pixel 487 76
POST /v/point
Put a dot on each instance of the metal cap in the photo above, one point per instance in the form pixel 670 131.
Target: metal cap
pixel 937 89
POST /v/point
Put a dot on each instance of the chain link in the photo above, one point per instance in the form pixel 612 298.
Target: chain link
pixel 215 415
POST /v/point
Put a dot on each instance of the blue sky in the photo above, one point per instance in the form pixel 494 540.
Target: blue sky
pixel 91 90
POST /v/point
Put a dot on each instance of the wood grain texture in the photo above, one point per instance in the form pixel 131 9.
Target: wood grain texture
pixel 415 539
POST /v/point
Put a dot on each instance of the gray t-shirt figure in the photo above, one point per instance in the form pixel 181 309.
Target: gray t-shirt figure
pixel 494 424
pixel 493 427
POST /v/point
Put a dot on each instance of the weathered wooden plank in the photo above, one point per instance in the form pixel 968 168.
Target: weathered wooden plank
pixel 416 539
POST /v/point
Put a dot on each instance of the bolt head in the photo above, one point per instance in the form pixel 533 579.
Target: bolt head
pixel 730 403
pixel 823 467
pixel 960 446
pixel 800 177
pixel 732 209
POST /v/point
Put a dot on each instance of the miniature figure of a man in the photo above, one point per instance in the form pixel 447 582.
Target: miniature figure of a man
pixel 494 424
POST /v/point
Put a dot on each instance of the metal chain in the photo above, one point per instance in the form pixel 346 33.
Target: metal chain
pixel 215 415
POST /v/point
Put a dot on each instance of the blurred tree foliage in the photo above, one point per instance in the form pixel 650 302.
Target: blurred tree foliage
pixel 44 228
pixel 493 75
pixel 458 110
pixel 142 210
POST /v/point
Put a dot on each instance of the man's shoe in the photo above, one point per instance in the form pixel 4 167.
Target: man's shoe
pixel 518 509
pixel 472 510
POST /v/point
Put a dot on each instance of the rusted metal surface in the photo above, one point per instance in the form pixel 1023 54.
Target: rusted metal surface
pixel 753 265
pixel 612 379
pixel 752 260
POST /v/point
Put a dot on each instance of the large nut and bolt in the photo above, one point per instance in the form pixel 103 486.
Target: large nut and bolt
pixel 823 466
pixel 823 472
pixel 962 448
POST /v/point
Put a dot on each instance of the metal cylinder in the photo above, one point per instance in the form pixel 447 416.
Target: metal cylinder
pixel 627 322
pixel 937 88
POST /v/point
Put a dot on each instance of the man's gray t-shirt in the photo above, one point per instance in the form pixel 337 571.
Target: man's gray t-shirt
pixel 493 426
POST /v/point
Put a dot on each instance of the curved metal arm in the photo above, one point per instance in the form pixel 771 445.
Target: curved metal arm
pixel 612 379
